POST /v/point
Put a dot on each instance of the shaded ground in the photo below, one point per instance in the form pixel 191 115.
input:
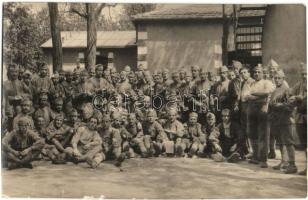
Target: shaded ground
pixel 156 178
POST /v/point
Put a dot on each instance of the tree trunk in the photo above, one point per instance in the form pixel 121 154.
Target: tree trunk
pixel 57 54
pixel 90 53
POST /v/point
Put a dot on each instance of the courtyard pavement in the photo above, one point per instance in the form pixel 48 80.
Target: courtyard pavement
pixel 156 178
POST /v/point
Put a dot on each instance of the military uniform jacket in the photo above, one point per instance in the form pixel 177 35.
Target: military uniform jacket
pixel 155 130
pixel 194 133
pixel 15 141
pixel 60 134
pixel 176 129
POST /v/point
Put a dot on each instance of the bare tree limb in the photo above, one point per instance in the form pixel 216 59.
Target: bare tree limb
pixel 73 10
pixel 99 9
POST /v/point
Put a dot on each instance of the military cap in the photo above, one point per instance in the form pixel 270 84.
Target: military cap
pixel 127 68
pixel 196 67
pixel 73 111
pixel 152 112
pixel 59 116
pixel 13 67
pixel 237 64
pixel 59 100
pixel 27 72
pixel 259 67
pixel 165 70
pixel 26 101
pixel 223 69
pixel 210 115
pixel 280 73
pixel 225 112
pixel 23 121
pixel 193 114
pixel 273 63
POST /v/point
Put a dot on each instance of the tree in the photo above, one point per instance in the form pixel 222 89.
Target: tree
pixel 57 55
pixel 22 38
pixel 91 14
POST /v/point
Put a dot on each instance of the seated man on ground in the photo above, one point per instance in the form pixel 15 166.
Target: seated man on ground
pixel 21 146
pixel 87 144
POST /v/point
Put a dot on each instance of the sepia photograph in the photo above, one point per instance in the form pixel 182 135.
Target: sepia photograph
pixel 153 100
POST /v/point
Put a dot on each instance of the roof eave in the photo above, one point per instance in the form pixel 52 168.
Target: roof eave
pixel 147 19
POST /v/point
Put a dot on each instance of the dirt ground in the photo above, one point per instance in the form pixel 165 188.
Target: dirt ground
pixel 156 178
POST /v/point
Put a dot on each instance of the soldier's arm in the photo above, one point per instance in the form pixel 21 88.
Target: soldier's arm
pixel 139 130
pixel 6 143
pixel 76 137
pixel 39 142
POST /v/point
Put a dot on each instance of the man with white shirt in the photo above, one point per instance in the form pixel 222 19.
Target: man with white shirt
pixel 258 130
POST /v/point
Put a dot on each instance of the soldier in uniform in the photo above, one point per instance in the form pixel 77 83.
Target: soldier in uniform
pixel 154 134
pixel 59 89
pixel 213 148
pixel 280 113
pixel 87 144
pixel 26 108
pixel 195 72
pixel 58 138
pixel 43 82
pixel 175 132
pixel 234 91
pixel 165 75
pixel 258 128
pixel 136 140
pixel 230 133
pixel 44 109
pixel 21 146
pixel 68 86
pixel 194 139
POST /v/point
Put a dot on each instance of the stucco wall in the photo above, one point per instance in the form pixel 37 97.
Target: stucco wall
pixel 122 57
pixel 183 43
pixel 285 38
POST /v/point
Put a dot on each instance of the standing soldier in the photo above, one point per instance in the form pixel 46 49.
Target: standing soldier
pixel 280 114
pixel 165 75
pixel 234 91
pixel 299 94
pixel 195 72
pixel 59 89
pixel 258 100
pixel 43 82
pixel 245 90
pixel 21 146
pixel 68 86
pixel 44 109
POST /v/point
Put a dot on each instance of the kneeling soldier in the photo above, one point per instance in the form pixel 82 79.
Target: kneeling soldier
pixel 22 146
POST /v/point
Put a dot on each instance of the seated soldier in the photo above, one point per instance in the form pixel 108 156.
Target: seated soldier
pixel 136 142
pixel 154 134
pixel 44 109
pixel 213 149
pixel 21 146
pixel 58 107
pixel 229 137
pixel 58 138
pixel 87 144
pixel 110 148
pixel 194 138
pixel 175 132
pixel 26 106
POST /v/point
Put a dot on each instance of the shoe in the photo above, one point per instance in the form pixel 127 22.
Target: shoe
pixel 253 161
pixel 272 155
pixel 303 173
pixel 194 157
pixel 59 162
pixel 291 169
pixel 94 164
pixel 234 158
pixel 249 156
pixel 11 165
pixel 263 165
pixel 277 167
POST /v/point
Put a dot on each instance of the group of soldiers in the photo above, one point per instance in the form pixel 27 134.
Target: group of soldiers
pixel 101 114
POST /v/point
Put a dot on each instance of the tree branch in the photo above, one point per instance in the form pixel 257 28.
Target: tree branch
pixel 73 10
pixel 99 9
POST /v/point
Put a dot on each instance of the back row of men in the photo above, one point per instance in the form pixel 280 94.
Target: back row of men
pixel 84 116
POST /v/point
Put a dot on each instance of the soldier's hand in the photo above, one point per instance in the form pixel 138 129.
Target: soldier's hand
pixel 16 153
pixel 76 152
pixel 218 148
pixel 25 152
